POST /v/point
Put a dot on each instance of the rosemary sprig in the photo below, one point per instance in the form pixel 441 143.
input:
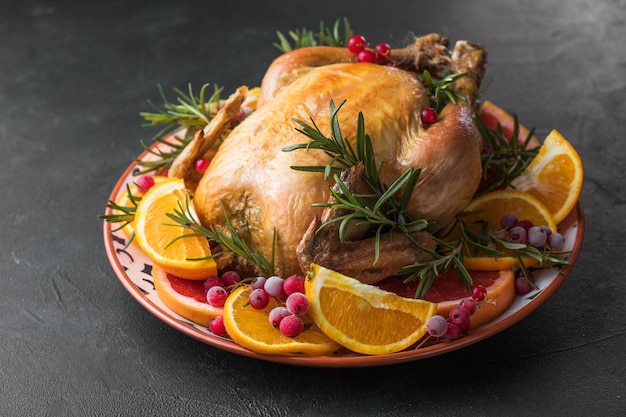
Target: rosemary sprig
pixel 472 241
pixel 184 217
pixel 189 112
pixel 324 36
pixel 502 159
pixel 441 91
pixel 342 155
pixel 122 215
pixel 388 213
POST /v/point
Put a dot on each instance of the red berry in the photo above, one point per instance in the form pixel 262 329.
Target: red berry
pixel 277 315
pixel 525 224
pixel 522 286
pixel 259 299
pixel 211 282
pixel 453 332
pixel 367 55
pixel 294 283
pixel 556 241
pixel 428 116
pixel 382 52
pixel 274 287
pixel 468 304
pixel 356 44
pixel 216 325
pixel 145 182
pixel 459 315
pixel 201 165
pixel 230 278
pixel 297 304
pixel 479 293
pixel 437 326
pixel 216 296
pixel 516 235
pixel 508 221
pixel 258 282
pixel 291 326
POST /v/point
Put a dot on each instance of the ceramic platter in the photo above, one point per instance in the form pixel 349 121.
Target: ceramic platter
pixel 133 269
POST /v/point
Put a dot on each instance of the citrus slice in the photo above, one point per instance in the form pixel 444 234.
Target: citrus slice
pixel 251 329
pixel 500 286
pixel 497 263
pixel 492 116
pixel 489 208
pixel 123 200
pixel 447 291
pixel 185 257
pixel 555 176
pixel 364 318
pixel 185 297
pixel 492 206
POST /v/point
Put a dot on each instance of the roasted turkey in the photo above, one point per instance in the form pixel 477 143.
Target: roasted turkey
pixel 250 178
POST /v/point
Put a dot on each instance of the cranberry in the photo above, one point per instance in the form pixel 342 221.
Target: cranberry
pixel 356 44
pixel 479 293
pixel 145 182
pixel 428 116
pixel 367 55
pixel 201 165
pixel 216 325
pixel 382 52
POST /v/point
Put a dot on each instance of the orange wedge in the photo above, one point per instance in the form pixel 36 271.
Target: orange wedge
pixel 251 329
pixel 555 176
pixel 185 297
pixel 492 116
pixel 186 257
pixel 364 318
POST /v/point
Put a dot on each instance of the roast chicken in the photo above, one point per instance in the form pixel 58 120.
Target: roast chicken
pixel 251 183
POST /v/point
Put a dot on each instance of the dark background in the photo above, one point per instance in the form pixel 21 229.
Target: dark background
pixel 73 78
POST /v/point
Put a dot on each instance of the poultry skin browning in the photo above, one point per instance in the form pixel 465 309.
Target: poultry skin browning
pixel 262 196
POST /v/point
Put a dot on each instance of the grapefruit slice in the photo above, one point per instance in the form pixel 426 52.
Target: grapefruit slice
pixel 184 296
pixel 447 292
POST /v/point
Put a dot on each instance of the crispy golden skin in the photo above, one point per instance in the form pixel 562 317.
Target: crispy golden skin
pixel 251 175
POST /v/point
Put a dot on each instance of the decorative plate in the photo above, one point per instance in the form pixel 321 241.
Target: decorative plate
pixel 133 268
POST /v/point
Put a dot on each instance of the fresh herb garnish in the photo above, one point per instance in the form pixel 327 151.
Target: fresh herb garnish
pixel 189 114
pixel 123 215
pixel 473 240
pixel 441 91
pixel 503 159
pixel 230 241
pixel 388 213
pixel 324 36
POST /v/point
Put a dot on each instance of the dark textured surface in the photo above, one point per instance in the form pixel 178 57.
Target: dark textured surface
pixel 73 77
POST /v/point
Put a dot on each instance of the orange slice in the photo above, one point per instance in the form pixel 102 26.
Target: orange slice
pixel 492 116
pixel 185 297
pixel 364 318
pixel 185 257
pixel 490 263
pixel 124 201
pixel 251 329
pixel 492 206
pixel 555 176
